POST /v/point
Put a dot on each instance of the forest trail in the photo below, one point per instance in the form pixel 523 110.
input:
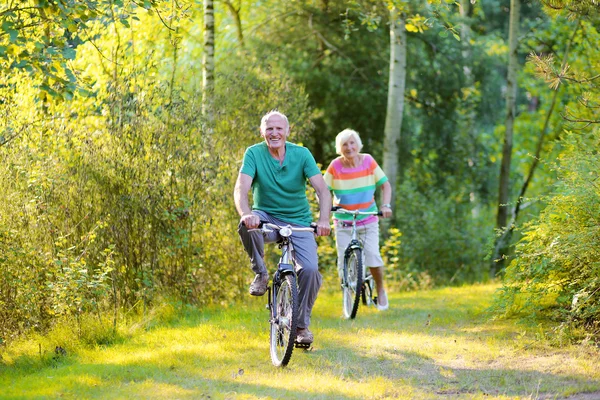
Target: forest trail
pixel 429 345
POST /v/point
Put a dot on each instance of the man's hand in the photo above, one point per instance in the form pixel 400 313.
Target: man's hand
pixel 323 228
pixel 251 221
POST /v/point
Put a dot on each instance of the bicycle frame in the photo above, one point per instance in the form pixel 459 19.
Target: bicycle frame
pixel 355 243
pixel 284 267
pixel 364 284
pixel 283 312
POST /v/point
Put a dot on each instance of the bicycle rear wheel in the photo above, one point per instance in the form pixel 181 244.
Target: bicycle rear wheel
pixel 284 322
pixel 367 291
pixel 352 286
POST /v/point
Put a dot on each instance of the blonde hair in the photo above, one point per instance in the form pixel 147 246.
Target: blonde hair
pixel 343 137
pixel 265 118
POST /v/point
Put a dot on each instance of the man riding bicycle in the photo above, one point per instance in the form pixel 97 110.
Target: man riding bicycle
pixel 276 171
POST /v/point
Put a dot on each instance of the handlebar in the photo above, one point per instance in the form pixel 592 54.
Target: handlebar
pixel 355 212
pixel 265 226
pixel 311 228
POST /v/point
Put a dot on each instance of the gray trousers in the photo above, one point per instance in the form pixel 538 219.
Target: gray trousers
pixel 305 256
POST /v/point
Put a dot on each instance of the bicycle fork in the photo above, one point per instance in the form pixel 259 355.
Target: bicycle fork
pixel 283 268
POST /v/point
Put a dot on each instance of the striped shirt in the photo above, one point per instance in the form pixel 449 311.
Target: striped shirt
pixel 354 188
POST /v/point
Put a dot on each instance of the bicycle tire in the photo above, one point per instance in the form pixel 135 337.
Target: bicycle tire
pixel 352 287
pixel 284 322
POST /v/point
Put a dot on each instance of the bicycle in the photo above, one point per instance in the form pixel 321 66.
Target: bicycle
pixel 282 296
pixel 356 283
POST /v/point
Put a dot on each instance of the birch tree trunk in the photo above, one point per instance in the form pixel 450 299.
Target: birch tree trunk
pixel 208 64
pixel 511 96
pixel 469 103
pixel 395 102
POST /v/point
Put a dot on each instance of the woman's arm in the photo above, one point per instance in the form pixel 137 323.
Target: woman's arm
pixel 386 197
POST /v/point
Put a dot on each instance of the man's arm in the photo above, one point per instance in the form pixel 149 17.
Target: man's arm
pixel 240 197
pixel 324 196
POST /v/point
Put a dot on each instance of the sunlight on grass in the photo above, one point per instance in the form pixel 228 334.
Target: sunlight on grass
pixel 428 345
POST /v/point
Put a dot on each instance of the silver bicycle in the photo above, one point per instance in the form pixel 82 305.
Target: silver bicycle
pixel 283 296
pixel 357 283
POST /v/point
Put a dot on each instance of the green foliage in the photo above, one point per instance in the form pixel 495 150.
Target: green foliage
pixel 438 241
pixel 117 201
pixel 573 8
pixel 41 38
pixel 556 272
pixel 400 275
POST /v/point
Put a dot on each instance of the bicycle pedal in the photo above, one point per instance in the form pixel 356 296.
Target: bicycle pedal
pixel 305 346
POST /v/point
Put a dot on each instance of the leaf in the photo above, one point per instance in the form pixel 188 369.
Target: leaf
pixel 69 53
pixel 14 35
pixel 411 28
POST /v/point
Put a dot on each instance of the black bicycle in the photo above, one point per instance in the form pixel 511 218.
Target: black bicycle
pixel 356 283
pixel 283 297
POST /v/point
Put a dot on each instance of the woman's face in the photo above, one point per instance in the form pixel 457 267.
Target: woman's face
pixel 350 148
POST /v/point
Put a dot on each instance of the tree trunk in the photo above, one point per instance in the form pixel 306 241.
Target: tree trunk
pixel 469 104
pixel 235 13
pixel 506 236
pixel 395 103
pixel 208 64
pixel 511 97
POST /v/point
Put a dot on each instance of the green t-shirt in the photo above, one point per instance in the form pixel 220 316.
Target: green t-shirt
pixel 280 190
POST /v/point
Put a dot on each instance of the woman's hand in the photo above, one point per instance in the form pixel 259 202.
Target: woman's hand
pixel 386 211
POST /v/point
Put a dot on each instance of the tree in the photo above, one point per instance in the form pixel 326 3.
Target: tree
pixel 235 13
pixel 511 99
pixel 395 98
pixel 41 37
pixel 208 63
pixel 506 235
pixel 555 270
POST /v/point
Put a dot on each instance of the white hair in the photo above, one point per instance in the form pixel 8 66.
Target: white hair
pixel 265 118
pixel 343 137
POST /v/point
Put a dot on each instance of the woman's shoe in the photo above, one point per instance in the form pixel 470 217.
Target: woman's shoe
pixel 383 307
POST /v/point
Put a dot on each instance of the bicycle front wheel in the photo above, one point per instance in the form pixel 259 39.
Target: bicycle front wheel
pixel 285 320
pixel 353 273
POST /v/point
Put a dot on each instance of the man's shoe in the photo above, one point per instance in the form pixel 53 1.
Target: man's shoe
pixel 304 336
pixel 258 287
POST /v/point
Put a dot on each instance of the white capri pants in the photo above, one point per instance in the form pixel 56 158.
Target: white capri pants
pixel 368 235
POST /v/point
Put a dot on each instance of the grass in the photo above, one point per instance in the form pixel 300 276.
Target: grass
pixel 429 345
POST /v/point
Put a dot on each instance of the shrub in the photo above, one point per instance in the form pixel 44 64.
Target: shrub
pixel 556 272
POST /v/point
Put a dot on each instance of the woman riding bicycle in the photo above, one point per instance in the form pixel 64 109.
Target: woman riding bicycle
pixel 353 178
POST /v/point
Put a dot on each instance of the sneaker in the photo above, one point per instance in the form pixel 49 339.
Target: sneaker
pixel 383 307
pixel 258 287
pixel 304 336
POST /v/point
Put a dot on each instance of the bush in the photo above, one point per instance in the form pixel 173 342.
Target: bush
pixel 442 242
pixel 125 199
pixel 556 272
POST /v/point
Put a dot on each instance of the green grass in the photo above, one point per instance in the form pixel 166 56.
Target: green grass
pixel 429 345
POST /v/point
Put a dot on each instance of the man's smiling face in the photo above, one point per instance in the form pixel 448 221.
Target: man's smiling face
pixel 275 132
